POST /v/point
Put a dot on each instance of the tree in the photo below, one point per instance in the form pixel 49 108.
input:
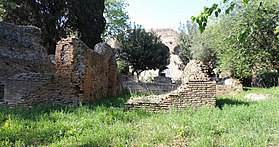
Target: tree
pixel 116 18
pixel 143 50
pixel 186 34
pixel 215 9
pixel 59 18
pixel 196 45
pixel 2 9
pixel 245 41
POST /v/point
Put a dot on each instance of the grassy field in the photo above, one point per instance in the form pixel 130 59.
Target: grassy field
pixel 234 122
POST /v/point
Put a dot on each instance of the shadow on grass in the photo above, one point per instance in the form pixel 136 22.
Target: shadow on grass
pixel 45 110
pixel 228 101
pixel 34 113
pixel 115 101
pixel 247 88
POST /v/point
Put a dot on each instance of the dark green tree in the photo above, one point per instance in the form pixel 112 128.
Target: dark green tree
pixel 58 18
pixel 143 50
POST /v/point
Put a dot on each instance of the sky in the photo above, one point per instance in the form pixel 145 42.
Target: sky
pixel 165 13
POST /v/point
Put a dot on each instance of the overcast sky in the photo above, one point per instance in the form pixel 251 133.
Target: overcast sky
pixel 165 13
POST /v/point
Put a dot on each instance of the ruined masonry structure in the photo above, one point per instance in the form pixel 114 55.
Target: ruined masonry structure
pixel 29 78
pixel 92 71
pixel 170 38
pixel 196 90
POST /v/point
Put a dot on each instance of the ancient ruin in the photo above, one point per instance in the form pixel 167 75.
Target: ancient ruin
pixel 29 78
pixel 21 51
pixel 196 90
pixel 228 86
pixel 76 74
pixel 170 38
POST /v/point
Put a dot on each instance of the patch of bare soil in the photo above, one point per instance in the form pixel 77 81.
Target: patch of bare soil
pixel 258 97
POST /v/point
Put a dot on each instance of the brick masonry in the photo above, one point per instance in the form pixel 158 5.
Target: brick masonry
pixel 80 74
pixel 192 94
pixel 131 87
pixel 196 90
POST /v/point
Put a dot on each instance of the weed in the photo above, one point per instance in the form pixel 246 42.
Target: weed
pixel 235 121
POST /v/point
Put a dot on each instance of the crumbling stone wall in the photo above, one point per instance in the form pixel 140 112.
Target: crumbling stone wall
pixel 196 90
pixel 21 50
pixel 192 94
pixel 32 89
pixel 82 75
pixel 92 71
pixel 30 78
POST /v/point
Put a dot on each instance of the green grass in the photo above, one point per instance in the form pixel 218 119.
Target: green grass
pixel 234 122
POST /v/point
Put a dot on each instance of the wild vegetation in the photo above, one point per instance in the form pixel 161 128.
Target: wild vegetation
pixel 59 19
pixel 56 19
pixel 243 41
pixel 235 121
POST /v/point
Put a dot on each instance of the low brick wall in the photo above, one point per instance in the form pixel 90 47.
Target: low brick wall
pixel 33 89
pixel 147 88
pixel 190 94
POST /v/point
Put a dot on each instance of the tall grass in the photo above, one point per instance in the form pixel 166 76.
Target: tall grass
pixel 234 122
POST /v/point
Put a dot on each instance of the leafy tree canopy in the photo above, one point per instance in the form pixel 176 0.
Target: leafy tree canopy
pixel 245 40
pixel 59 18
pixel 143 50
pixel 116 18
pixel 196 45
pixel 215 9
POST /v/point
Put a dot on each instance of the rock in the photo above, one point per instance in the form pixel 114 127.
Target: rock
pixel 228 86
pixel 195 71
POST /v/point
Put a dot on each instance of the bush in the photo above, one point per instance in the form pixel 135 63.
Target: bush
pixel 122 67
pixel 265 79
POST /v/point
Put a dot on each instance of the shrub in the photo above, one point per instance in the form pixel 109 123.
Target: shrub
pixel 122 67
pixel 265 79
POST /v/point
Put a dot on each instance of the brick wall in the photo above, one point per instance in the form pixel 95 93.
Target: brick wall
pixel 196 90
pixel 93 72
pixel 33 89
pixel 147 88
pixel 82 75
pixel 191 94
